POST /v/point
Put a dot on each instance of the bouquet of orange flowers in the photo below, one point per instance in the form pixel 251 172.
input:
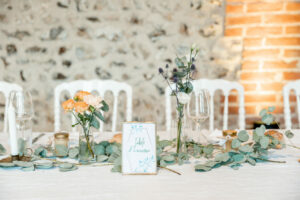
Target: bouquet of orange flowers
pixel 87 110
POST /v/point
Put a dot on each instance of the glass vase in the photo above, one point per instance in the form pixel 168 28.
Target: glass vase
pixel 86 146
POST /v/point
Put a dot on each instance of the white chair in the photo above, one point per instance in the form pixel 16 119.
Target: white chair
pixel 6 88
pixel 94 85
pixel 212 86
pixel 294 85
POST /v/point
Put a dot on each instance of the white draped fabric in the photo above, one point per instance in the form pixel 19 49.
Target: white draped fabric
pixel 264 181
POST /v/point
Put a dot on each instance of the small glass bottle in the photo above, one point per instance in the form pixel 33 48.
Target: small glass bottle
pixel 61 144
pixel 229 136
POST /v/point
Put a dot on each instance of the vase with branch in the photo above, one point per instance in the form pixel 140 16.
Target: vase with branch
pixel 181 78
pixel 87 109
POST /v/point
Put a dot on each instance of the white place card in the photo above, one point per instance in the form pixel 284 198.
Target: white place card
pixel 139 148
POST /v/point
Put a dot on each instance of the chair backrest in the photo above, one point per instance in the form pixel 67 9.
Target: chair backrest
pixel 212 86
pixel 294 85
pixel 94 85
pixel 6 88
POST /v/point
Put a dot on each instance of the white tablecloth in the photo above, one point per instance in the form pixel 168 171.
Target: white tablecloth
pixel 264 181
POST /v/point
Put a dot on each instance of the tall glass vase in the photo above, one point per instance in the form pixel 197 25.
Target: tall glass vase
pixel 179 128
pixel 86 146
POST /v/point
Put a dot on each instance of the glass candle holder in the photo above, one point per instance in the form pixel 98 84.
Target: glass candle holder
pixel 61 144
pixel 229 135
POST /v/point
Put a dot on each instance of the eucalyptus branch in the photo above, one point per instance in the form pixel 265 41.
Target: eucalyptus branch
pixel 171 170
pixel 274 161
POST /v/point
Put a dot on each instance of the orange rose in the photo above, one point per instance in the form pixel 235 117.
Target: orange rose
pixel 80 107
pixel 68 105
pixel 80 95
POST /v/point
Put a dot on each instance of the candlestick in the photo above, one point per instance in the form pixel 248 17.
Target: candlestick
pixel 12 131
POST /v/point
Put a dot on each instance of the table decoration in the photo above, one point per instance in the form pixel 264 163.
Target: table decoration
pixel 61 144
pixel 181 76
pixel 139 148
pixel 87 109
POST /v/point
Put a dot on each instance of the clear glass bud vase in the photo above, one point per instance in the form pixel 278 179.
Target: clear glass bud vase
pixel 86 146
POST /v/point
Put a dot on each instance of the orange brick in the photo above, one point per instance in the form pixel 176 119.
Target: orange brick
pixel 270 53
pixel 283 41
pixel 262 31
pixel 275 86
pixel 234 9
pixel 292 29
pixel 291 75
pixel 252 42
pixel 279 65
pixel 282 18
pixel 258 76
pixel 292 97
pixel 260 98
pixel 249 86
pixel 292 53
pixel 293 6
pixel 264 7
pixel 252 65
pixel 232 98
pixel 235 109
pixel 233 32
pixel 243 20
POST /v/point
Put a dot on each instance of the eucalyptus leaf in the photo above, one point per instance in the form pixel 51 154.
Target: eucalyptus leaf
pixel 66 165
pixel 208 150
pixel 95 123
pixel 239 158
pixel 235 143
pixel 260 131
pixel 289 134
pixel 27 169
pixel 202 168
pixel 251 161
pixel 4 165
pixel 222 157
pixel 40 151
pixel 163 163
pixel 99 149
pixel 73 152
pixel 271 109
pixel 263 112
pixel 246 149
pixel 268 119
pixel 168 158
pixel 235 166
pixel 43 164
pixel 264 142
pixel 23 164
pixel 74 167
pixel 102 158
pixel 243 136
pixel 116 168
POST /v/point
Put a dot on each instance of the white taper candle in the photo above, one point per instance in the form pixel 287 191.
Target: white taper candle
pixel 12 131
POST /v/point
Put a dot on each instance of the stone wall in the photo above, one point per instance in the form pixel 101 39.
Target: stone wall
pixel 45 43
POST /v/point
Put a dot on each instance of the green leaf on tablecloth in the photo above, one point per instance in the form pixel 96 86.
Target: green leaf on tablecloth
pixel 99 149
pixel 168 158
pixel 2 150
pixel 73 152
pixel 268 119
pixel 65 167
pixel 23 164
pixel 271 109
pixel 104 143
pixel 251 161
pixel 40 151
pixel 235 166
pixel 163 163
pixel 260 131
pixel 43 164
pixel 102 158
pixel 289 134
pixel 202 168
pixel 235 143
pixel 27 169
pixel 116 168
pixel 243 136
pixel 207 150
pixel 4 165
pixel 61 150
pixel 263 112
pixel 239 158
pixel 164 143
pixel 113 157
pixel 246 148
pixel 264 142
pixel 222 157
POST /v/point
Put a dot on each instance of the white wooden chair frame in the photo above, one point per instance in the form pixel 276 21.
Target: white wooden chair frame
pixel 6 88
pixel 94 85
pixel 212 86
pixel 294 85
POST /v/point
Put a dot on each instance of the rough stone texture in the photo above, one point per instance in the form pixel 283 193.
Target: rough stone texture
pixel 45 43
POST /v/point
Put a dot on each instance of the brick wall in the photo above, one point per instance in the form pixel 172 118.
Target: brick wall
pixel 270 30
